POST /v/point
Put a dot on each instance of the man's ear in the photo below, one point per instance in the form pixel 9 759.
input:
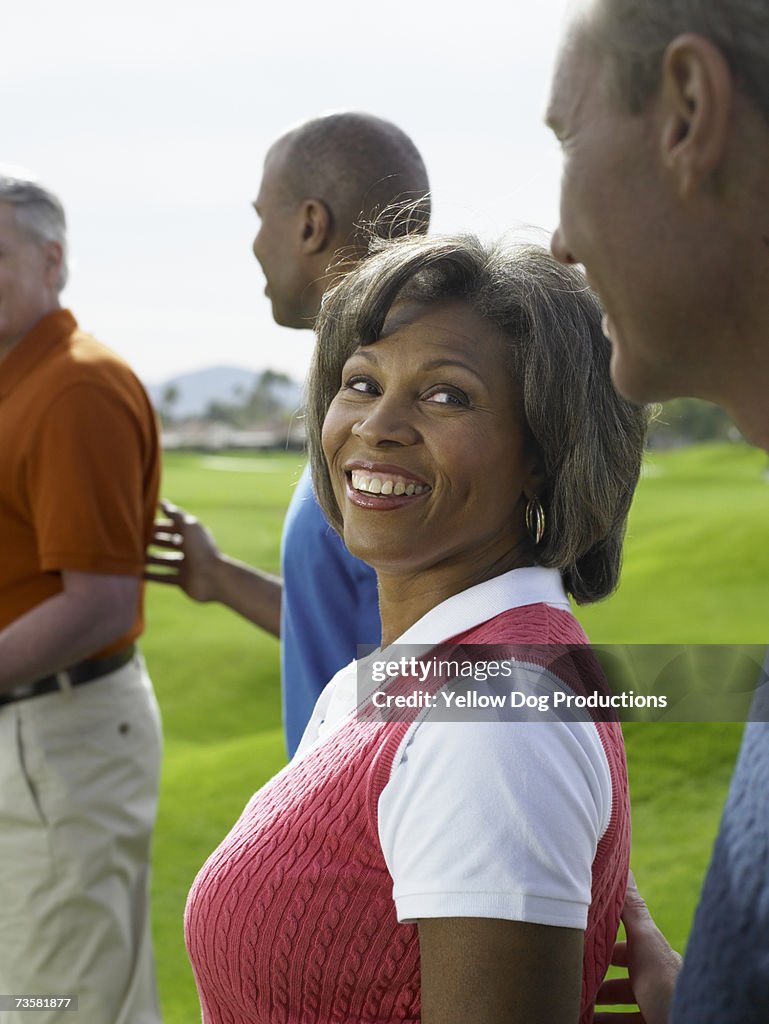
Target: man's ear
pixel 54 256
pixel 317 226
pixel 696 97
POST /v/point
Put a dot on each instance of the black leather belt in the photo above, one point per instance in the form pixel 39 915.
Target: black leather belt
pixel 83 672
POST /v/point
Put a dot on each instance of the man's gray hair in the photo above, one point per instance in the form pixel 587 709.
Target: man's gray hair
pixel 636 33
pixel 39 213
pixel 590 440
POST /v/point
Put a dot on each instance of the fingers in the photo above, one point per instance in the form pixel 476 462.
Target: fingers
pixel 167 571
pixel 176 515
pixel 619 954
pixel 652 963
pixel 635 913
pixel 164 524
pixel 160 577
pixel 171 510
pixel 616 991
pixel 169 561
pixel 641 928
pixel 162 539
pixel 610 1017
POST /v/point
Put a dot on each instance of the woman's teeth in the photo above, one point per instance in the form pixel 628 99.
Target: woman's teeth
pixel 386 485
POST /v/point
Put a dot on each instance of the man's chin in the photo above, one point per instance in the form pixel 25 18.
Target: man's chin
pixel 281 316
pixel 292 323
pixel 633 381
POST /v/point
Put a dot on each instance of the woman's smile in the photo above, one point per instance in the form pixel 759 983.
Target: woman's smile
pixel 384 484
pixel 380 487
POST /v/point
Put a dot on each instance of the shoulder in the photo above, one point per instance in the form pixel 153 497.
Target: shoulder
pixel 85 360
pixel 538 623
pixel 84 372
pixel 475 814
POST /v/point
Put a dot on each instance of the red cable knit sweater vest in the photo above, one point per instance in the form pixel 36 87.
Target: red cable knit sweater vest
pixel 292 919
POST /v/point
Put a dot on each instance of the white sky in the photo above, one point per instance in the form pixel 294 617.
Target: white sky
pixel 151 121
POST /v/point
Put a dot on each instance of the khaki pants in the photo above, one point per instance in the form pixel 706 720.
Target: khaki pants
pixel 78 797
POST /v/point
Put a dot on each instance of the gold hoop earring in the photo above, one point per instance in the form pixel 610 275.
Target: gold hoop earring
pixel 535 519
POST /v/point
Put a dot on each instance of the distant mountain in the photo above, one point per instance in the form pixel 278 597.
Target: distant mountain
pixel 230 384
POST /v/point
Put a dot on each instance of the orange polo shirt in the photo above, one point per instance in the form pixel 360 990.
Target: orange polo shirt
pixel 79 466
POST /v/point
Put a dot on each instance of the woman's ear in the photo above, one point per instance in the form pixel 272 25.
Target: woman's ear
pixel 534 481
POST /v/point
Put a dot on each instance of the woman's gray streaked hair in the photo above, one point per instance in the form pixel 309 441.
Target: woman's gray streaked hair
pixel 39 213
pixel 636 33
pixel 589 439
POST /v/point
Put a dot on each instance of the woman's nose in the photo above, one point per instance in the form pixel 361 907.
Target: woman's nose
pixel 387 423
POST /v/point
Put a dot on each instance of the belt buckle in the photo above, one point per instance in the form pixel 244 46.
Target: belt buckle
pixel 65 684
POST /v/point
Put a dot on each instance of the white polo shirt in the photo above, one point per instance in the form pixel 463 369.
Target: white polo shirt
pixel 479 818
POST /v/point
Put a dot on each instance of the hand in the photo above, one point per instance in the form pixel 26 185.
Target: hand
pixel 652 965
pixel 193 558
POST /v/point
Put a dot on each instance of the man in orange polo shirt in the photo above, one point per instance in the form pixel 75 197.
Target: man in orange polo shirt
pixel 79 726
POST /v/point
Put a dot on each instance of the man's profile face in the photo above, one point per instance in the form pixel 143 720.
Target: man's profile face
pixel 28 274
pixel 614 216
pixel 276 246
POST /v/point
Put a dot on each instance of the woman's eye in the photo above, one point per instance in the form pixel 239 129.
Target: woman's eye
pixel 448 396
pixel 364 385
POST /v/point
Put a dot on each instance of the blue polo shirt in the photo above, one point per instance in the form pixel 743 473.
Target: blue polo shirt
pixel 330 606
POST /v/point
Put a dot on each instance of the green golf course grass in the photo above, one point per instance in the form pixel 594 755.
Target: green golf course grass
pixel 695 571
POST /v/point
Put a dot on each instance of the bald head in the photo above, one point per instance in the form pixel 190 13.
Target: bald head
pixel 362 167
pixel 326 185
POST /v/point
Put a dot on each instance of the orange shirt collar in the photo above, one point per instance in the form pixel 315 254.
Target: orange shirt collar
pixel 34 346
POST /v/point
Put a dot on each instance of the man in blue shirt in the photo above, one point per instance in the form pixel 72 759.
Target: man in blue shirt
pixel 662 111
pixel 321 181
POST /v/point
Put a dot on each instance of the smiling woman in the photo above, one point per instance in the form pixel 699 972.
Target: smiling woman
pixel 466 441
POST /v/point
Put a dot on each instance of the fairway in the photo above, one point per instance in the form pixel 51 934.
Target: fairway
pixel 695 571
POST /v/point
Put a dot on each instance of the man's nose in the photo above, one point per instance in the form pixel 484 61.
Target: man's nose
pixel 559 248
